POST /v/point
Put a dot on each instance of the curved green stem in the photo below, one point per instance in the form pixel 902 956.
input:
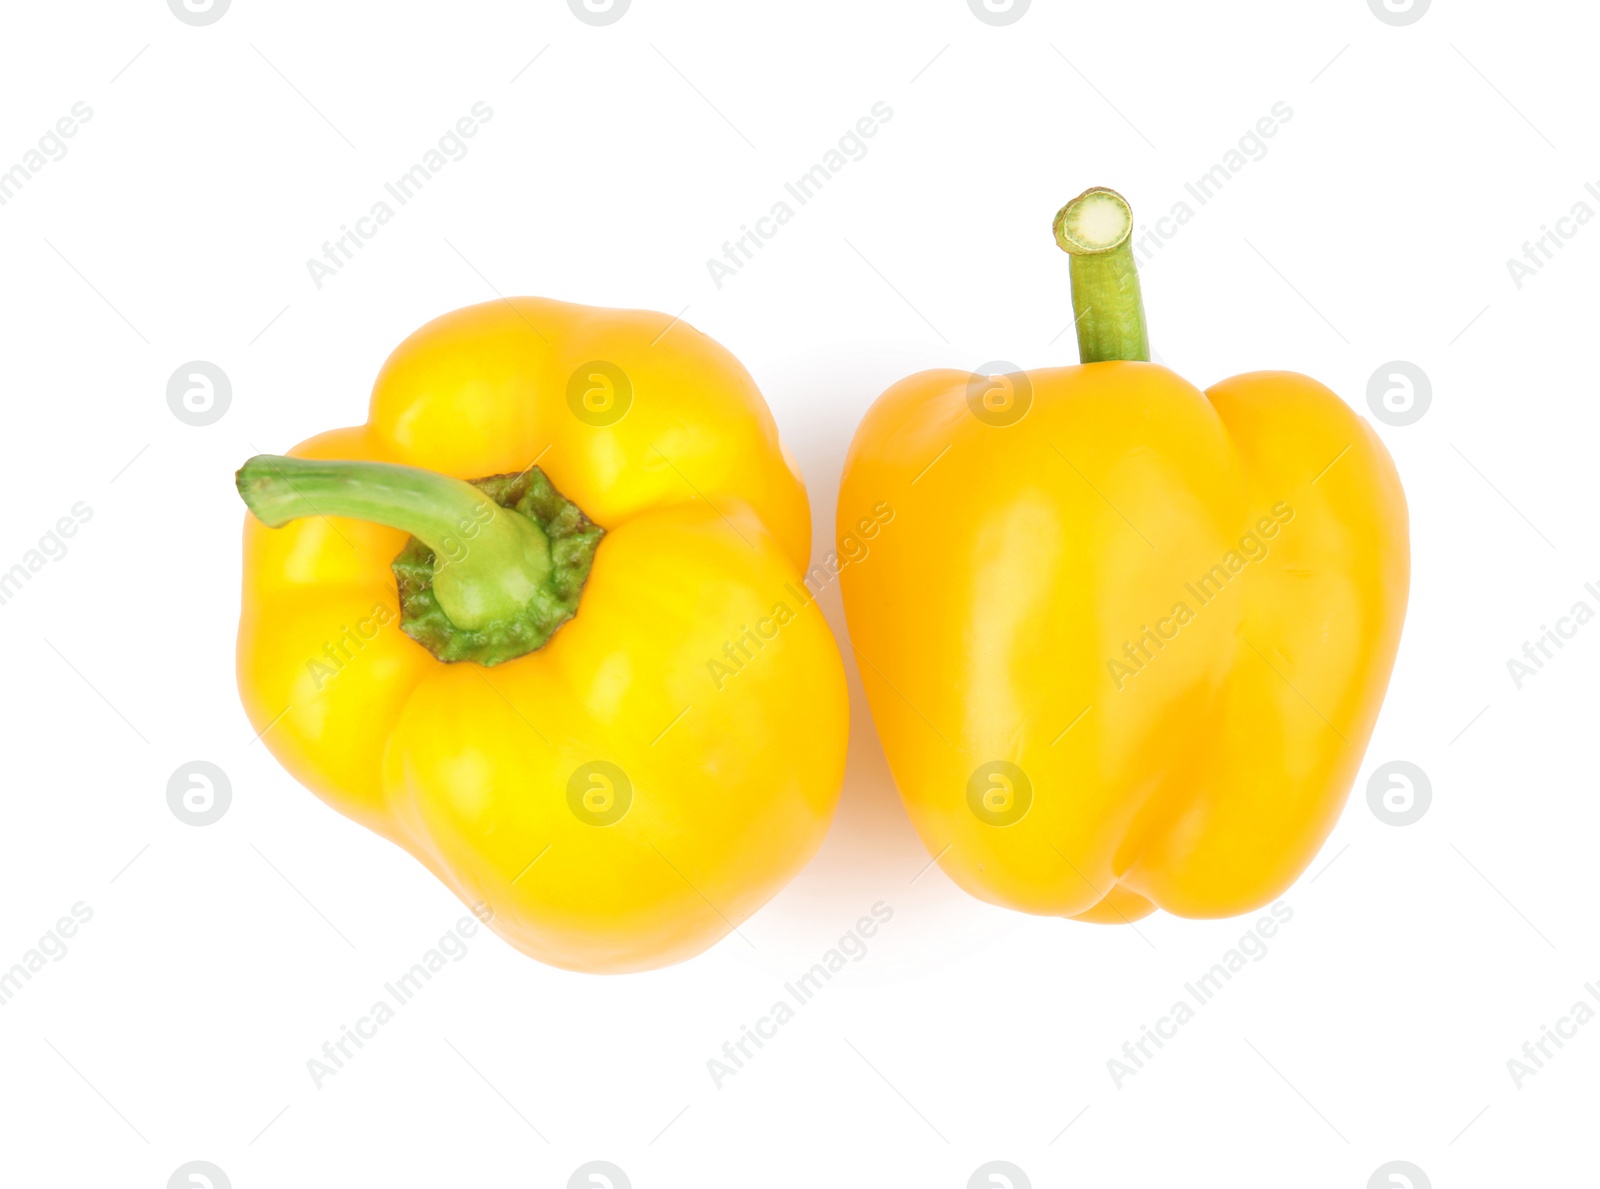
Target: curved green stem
pixel 495 566
pixel 1096 229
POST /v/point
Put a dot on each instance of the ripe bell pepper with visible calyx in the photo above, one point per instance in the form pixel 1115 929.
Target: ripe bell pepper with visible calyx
pixel 496 624
pixel 1125 641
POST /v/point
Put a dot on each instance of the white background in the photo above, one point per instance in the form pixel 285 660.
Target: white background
pixel 219 959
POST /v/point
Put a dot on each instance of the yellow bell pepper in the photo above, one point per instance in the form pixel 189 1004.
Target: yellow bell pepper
pixel 525 680
pixel 1125 641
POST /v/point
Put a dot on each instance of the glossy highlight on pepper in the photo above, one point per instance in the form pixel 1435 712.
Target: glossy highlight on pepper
pixel 486 624
pixel 1129 639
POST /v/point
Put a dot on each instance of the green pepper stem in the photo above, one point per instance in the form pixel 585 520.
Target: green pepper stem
pixel 1096 229
pixel 489 562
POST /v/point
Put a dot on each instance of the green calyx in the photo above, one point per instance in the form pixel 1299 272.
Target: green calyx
pixel 493 568
pixel 571 539
pixel 1096 230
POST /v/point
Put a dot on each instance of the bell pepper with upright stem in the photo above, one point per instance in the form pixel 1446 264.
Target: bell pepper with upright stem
pixel 1128 641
